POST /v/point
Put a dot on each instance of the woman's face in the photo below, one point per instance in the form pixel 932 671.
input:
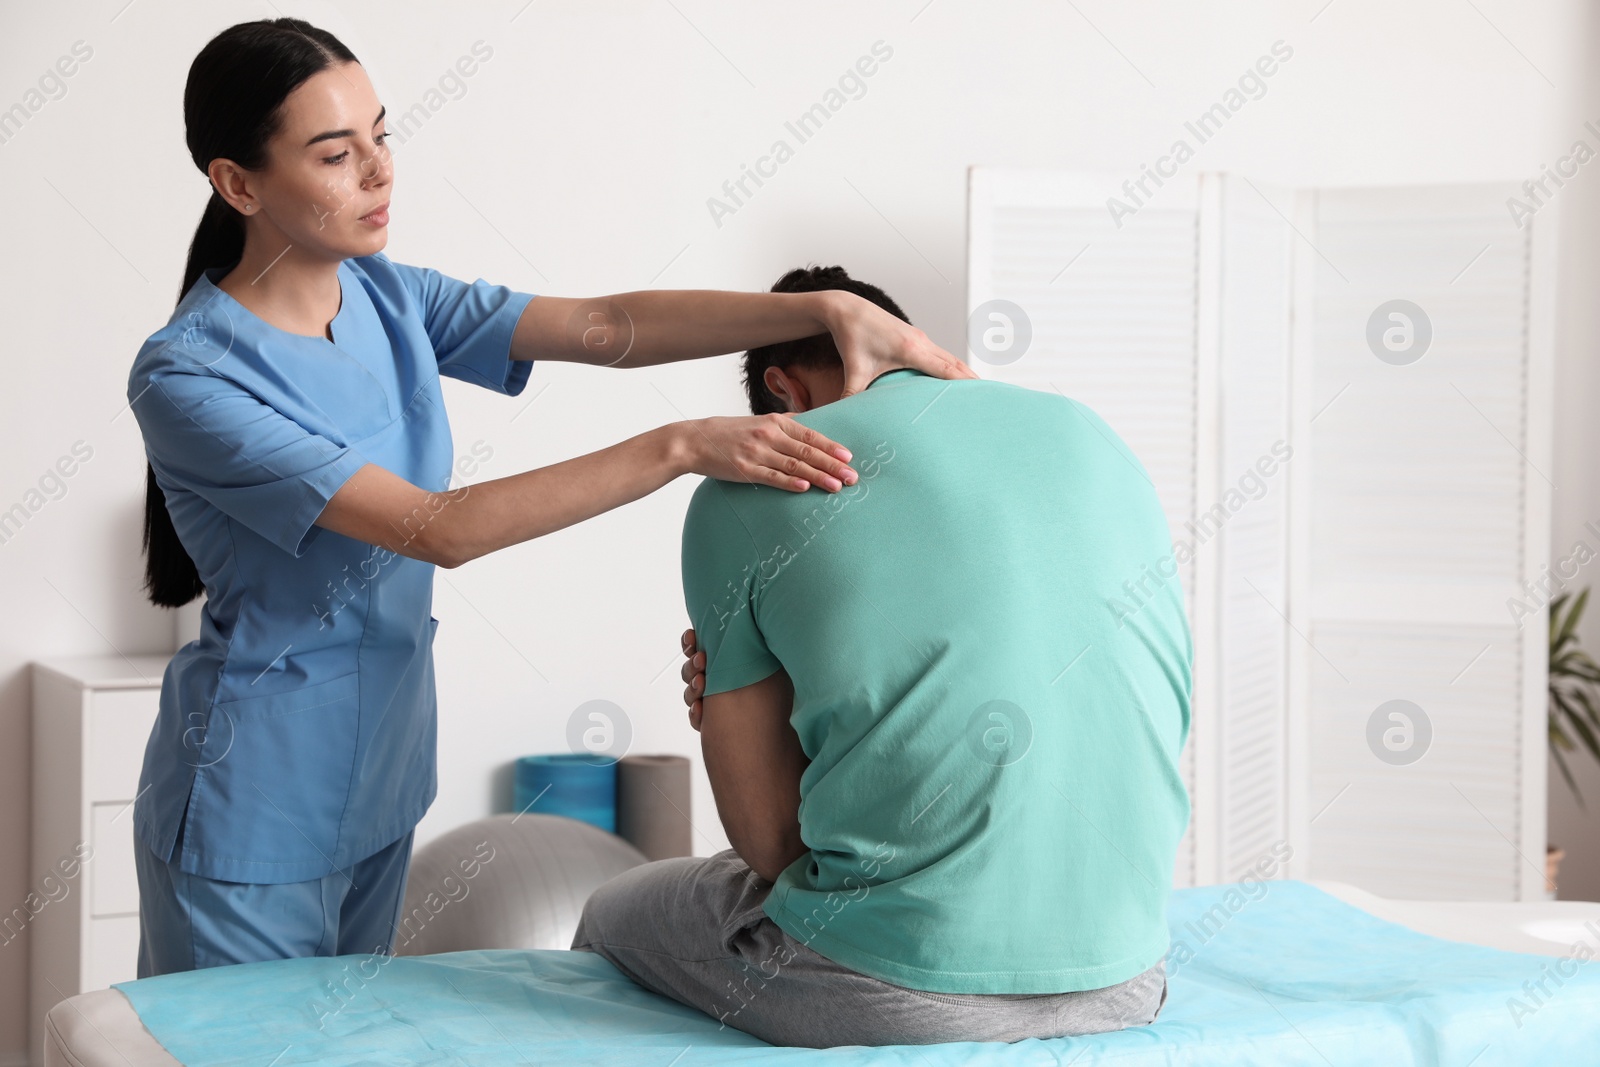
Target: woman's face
pixel 328 171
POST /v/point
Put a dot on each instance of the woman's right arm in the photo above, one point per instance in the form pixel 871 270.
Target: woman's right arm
pixel 451 527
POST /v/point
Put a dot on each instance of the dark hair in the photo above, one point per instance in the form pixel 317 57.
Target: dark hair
pixel 232 108
pixel 815 351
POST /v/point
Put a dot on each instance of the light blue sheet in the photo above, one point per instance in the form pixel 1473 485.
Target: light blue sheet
pixel 1275 973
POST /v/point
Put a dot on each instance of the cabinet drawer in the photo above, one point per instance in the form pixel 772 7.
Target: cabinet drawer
pixel 120 721
pixel 113 883
pixel 112 953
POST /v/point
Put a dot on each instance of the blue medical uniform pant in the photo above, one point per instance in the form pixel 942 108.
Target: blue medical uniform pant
pixel 187 921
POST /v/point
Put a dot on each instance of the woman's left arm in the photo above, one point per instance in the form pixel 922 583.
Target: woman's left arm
pixel 653 326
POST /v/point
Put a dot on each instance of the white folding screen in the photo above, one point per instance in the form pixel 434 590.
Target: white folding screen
pixel 1350 533
pixel 1252 307
pixel 1428 507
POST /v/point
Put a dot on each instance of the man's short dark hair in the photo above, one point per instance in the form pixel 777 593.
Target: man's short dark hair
pixel 815 351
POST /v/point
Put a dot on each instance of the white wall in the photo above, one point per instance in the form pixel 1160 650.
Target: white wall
pixel 579 160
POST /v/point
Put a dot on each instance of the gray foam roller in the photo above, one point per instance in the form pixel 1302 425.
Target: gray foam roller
pixel 653 805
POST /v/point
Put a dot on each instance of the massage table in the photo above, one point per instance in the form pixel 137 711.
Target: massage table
pixel 1283 973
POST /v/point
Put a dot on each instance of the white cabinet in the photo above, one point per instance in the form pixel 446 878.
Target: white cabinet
pixel 91 718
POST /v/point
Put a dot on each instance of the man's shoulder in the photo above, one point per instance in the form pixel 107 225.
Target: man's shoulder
pixel 706 496
pixel 915 399
pixel 718 502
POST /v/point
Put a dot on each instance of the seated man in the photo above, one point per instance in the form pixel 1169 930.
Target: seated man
pixel 942 716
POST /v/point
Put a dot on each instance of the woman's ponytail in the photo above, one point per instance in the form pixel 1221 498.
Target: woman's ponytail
pixel 232 108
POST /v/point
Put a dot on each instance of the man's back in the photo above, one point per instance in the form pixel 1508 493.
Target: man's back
pixel 991 672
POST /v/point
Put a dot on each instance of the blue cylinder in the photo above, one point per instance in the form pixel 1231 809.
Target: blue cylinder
pixel 578 786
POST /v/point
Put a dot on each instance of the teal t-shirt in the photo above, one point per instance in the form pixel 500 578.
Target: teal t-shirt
pixel 991 669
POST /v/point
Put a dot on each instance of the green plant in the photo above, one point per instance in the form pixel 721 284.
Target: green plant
pixel 1574 678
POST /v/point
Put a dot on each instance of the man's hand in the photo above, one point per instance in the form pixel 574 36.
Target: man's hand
pixel 694 678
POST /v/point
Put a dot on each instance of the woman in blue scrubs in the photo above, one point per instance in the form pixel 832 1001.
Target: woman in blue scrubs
pixel 299 471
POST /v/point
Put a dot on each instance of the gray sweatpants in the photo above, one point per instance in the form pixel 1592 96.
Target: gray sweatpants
pixel 692 929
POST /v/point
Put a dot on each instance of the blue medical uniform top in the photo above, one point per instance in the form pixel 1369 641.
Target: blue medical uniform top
pixel 298 731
